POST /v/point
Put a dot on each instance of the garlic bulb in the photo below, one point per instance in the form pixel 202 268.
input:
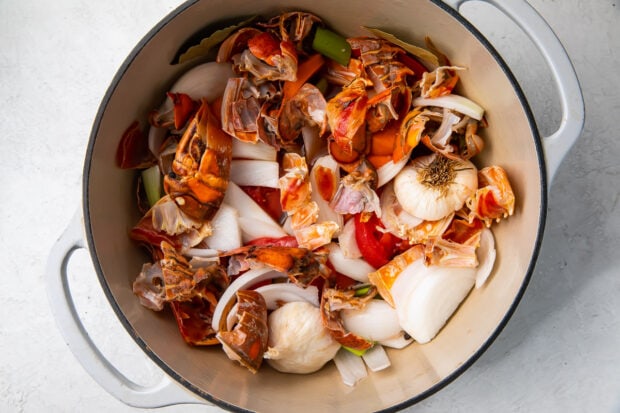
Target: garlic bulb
pixel 433 186
pixel 305 347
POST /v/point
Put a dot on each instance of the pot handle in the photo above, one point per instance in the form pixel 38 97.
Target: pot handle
pixel 557 145
pixel 164 393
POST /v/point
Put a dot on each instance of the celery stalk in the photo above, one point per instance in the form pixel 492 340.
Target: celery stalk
pixel 332 45
pixel 357 352
pixel 151 179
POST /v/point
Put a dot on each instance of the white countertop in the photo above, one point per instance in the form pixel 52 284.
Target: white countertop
pixel 559 353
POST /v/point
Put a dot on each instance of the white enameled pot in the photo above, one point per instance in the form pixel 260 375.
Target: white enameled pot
pixel 198 375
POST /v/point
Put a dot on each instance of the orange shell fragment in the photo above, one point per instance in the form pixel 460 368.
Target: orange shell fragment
pixel 384 277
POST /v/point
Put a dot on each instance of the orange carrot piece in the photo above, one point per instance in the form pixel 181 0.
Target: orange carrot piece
pixel 384 141
pixel 304 72
pixel 379 160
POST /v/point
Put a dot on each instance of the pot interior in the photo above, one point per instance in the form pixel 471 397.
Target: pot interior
pixel 417 371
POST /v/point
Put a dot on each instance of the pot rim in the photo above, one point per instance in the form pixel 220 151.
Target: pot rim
pixel 223 404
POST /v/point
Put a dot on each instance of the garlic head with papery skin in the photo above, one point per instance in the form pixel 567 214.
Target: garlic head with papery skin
pixel 298 342
pixel 433 186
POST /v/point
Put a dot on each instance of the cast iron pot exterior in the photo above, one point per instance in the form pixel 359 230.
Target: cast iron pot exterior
pixel 417 371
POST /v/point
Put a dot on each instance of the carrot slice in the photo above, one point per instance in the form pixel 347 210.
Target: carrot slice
pixel 384 141
pixel 379 160
pixel 304 72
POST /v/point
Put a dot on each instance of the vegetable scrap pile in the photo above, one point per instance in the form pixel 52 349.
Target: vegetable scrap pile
pixel 308 197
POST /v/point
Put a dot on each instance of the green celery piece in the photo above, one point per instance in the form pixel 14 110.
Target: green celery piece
pixel 362 291
pixel 332 45
pixel 151 179
pixel 358 353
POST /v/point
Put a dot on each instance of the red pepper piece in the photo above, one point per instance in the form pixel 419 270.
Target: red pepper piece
pixel 267 198
pixel 376 246
pixel 133 150
pixel 417 67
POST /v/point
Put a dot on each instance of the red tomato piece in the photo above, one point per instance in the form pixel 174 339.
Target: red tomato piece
pixel 417 67
pixel 133 150
pixel 377 247
pixel 266 198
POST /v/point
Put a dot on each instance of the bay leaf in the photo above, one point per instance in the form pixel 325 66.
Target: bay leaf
pixel 417 51
pixel 192 49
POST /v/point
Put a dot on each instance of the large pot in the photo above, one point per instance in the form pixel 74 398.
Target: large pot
pixel 417 371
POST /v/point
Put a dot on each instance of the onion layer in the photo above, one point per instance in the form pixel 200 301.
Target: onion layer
pixel 455 102
pixel 425 297
pixel 242 282
pixel 376 321
pixel 253 220
pixel 351 367
pixel 251 172
pixel 355 268
pixel 486 257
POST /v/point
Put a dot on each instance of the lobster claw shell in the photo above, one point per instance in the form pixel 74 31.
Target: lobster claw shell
pixel 248 340
pixel 201 167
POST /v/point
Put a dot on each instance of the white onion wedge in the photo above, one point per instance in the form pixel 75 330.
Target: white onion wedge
pixel 457 103
pixel 252 229
pixel 326 213
pixel 347 241
pixel 253 220
pixel 355 268
pixel 156 139
pixel 442 135
pixel 386 172
pixel 226 231
pixel 376 321
pixel 251 172
pixel 207 80
pixel 376 358
pixel 402 340
pixel 351 367
pixel 203 262
pixel 428 300
pixel 247 150
pixel 288 292
pixel 244 281
pixel 288 226
pixel 407 281
pixel 486 257
pixel 313 144
pixel 201 252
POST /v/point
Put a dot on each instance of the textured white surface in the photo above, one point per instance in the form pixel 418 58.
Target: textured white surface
pixel 560 351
